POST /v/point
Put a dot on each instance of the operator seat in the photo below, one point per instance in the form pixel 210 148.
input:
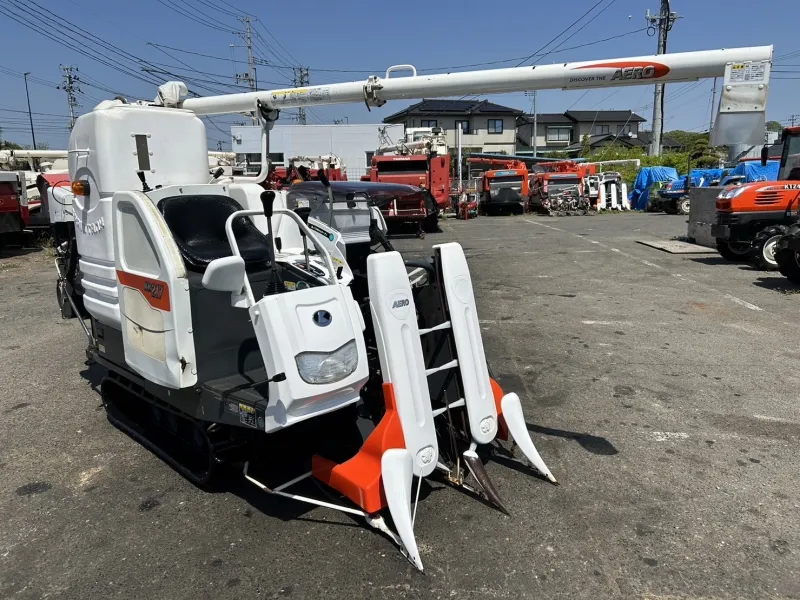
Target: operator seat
pixel 197 223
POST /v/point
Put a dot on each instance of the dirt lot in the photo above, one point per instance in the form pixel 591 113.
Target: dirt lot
pixel 660 389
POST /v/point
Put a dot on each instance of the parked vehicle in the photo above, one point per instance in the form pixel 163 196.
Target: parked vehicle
pixel 13 206
pixel 752 217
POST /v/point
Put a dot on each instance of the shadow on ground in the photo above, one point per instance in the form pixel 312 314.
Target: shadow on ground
pixel 777 284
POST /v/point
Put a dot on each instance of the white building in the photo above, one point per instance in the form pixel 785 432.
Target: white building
pixel 353 144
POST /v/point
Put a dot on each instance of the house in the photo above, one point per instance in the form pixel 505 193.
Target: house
pixel 558 131
pixel 486 127
pixel 642 141
pixel 667 143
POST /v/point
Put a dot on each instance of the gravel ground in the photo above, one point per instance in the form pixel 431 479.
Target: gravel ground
pixel 660 390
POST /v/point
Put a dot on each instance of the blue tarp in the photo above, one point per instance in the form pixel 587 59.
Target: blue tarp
pixel 647 176
pixel 700 178
pixel 703 177
pixel 753 171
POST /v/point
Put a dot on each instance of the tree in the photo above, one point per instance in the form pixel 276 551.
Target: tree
pixel 586 147
pixel 6 145
pixel 702 155
pixel 685 138
pixel 774 126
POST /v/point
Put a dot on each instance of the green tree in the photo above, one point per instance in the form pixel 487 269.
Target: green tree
pixel 586 148
pixel 6 145
pixel 685 138
pixel 774 126
pixel 702 155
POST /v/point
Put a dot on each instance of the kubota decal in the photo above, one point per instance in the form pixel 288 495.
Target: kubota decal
pixel 156 292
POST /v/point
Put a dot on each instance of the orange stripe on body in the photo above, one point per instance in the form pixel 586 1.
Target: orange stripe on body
pixel 155 291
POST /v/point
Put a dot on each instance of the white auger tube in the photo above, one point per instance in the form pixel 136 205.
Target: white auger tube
pixel 637 70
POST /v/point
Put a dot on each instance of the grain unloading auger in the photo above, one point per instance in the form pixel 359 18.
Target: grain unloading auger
pixel 236 330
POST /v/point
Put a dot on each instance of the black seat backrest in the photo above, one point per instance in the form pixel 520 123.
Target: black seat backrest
pixel 198 225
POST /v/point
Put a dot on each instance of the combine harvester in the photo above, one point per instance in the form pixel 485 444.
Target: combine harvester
pixel 562 188
pixel 305 168
pixel 504 189
pixel 235 330
pixel 420 159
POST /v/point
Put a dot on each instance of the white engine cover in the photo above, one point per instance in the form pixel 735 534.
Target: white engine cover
pixel 285 326
pixel 106 149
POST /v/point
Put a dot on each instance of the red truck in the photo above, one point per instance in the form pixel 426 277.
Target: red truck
pixel 420 159
pixel 429 172
pixel 14 214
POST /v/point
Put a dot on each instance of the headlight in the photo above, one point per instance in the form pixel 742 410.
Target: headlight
pixel 328 367
pixel 731 192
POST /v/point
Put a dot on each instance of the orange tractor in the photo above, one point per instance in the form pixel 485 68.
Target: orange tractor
pixel 753 219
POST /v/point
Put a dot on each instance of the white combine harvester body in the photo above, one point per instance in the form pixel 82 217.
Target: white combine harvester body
pixel 221 316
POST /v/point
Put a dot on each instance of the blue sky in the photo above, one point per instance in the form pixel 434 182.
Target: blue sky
pixel 350 40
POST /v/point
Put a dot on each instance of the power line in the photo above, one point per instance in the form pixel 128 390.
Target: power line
pixel 84 50
pixel 185 13
pixel 595 5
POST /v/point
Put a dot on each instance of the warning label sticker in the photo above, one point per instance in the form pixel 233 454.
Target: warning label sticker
pixel 299 96
pixel 748 72
pixel 247 415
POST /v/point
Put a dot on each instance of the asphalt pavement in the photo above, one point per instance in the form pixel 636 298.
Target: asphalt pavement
pixel 660 389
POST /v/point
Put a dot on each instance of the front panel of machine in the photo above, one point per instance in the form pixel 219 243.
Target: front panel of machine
pixel 314 338
pixel 153 290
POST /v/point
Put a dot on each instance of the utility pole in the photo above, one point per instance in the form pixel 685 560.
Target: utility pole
pixel 793 117
pixel 535 127
pixel 250 76
pixel 30 114
pixel 535 121
pixel 70 86
pixel 713 102
pixel 299 79
pixel 459 133
pixel 661 24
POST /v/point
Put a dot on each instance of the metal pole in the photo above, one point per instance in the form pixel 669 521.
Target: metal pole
pixel 535 126
pixel 459 131
pixel 30 115
pixel 664 23
pixel 713 102
pixel 251 75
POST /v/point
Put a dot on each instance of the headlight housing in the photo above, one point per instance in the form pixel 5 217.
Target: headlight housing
pixel 731 192
pixel 327 367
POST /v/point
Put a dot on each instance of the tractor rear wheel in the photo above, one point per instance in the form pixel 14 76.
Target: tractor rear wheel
pixel 762 250
pixel 684 205
pixel 733 251
pixel 789 264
